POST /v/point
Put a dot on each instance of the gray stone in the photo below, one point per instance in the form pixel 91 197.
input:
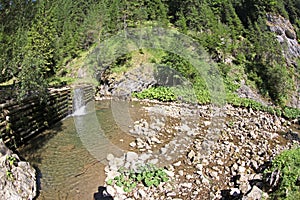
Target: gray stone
pixel 131 156
pixel 142 193
pixel 191 155
pixel 169 173
pixel 187 185
pixel 235 192
pixel 290 34
pixel 254 194
pixel 177 164
pixel 207 123
pixel 132 144
pixel 110 157
pixel 134 80
pixel 22 182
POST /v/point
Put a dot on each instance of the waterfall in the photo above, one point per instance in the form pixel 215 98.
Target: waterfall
pixel 79 107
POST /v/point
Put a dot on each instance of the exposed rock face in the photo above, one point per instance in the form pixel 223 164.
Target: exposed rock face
pixel 17 178
pixel 246 92
pixel 286 35
pixel 134 80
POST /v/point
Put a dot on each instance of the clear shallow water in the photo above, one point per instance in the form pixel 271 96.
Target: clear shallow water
pixel 64 155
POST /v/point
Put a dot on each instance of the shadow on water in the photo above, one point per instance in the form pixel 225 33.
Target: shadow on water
pixel 38 141
pixel 65 168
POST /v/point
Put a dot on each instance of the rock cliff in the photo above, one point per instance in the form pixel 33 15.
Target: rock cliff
pixel 287 37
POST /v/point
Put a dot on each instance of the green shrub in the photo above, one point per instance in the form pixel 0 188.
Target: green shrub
pixel 159 93
pixel 60 81
pixel 288 163
pixel 291 113
pixel 148 175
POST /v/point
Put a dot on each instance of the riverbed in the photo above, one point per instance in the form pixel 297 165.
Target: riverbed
pixel 71 156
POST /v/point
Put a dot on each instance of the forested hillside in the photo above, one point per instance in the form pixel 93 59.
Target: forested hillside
pixel 39 38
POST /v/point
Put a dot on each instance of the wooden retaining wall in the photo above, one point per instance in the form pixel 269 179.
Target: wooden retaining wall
pixel 21 121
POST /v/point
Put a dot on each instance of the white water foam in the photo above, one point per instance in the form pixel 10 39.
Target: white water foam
pixel 79 107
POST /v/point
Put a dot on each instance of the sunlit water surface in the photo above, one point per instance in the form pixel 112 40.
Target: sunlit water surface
pixel 66 168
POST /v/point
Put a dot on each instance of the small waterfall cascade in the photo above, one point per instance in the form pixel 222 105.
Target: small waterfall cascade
pixel 79 107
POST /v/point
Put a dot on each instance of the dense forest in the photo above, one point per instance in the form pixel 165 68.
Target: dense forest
pixel 39 38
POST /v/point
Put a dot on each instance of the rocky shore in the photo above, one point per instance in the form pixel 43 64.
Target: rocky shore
pixel 207 152
pixel 17 178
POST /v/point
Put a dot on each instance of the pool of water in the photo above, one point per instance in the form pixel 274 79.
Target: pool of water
pixel 71 156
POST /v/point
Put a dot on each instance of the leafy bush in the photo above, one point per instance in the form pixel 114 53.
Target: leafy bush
pixel 288 164
pixel 159 93
pixel 291 113
pixel 60 81
pixel 148 175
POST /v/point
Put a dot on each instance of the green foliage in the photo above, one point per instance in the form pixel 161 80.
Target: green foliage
pixel 266 66
pixel 291 113
pixel 288 164
pixel 148 175
pixel 38 38
pixel 11 160
pixel 180 65
pixel 60 81
pixel 184 69
pixel 41 39
pixel 9 175
pixel 159 93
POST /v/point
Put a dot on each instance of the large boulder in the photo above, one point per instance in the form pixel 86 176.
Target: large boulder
pixel 17 178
